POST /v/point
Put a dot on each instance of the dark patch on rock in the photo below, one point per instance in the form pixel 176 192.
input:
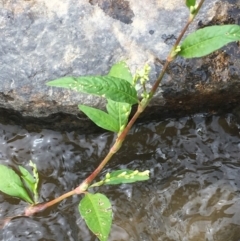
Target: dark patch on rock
pixel 117 9
pixel 169 39
pixel 7 97
pixel 58 122
pixel 184 103
pixel 227 12
pixel 151 32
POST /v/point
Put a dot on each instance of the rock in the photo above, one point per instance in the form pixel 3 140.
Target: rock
pixel 44 40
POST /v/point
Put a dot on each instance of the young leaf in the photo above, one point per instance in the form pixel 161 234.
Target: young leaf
pixel 36 177
pixel 100 118
pixel 120 111
pixel 30 180
pixel 122 176
pixel 11 184
pixel 121 70
pixel 190 3
pixel 207 40
pixel 113 88
pixel 96 210
pixel 27 177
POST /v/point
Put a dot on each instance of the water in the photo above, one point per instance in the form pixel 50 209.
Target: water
pixel 193 193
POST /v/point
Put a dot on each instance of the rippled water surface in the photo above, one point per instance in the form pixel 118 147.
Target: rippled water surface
pixel 193 193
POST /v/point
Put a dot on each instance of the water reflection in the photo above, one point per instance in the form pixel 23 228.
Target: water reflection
pixel 193 193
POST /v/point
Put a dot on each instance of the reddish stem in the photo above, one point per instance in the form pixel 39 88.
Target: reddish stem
pixel 42 206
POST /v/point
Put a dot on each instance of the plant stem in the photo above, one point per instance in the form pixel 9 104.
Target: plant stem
pixel 118 143
pixel 141 106
pixel 42 206
pixel 198 8
pixel 190 19
pixel 113 150
pixel 84 185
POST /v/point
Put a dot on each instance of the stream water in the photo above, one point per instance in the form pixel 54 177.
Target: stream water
pixel 193 193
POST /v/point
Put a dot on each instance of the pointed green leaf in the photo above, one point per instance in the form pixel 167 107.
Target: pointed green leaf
pixel 12 185
pixel 121 70
pixel 120 111
pixel 207 40
pixel 113 88
pixel 122 176
pixel 190 3
pixel 100 118
pixel 36 177
pixel 30 180
pixel 27 177
pixel 96 210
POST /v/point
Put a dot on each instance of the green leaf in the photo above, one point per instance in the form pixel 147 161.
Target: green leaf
pixel 96 210
pixel 123 176
pixel 36 177
pixel 207 40
pixel 113 88
pixel 27 177
pixel 30 180
pixel 120 111
pixel 190 3
pixel 121 70
pixel 100 118
pixel 12 185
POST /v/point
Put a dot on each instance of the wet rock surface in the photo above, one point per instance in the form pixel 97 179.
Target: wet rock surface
pixel 45 40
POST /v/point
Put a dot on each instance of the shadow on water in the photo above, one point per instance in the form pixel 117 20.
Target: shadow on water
pixel 193 193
